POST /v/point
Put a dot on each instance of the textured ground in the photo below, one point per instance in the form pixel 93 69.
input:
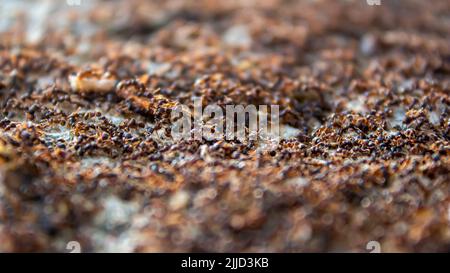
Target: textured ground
pixel 364 95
